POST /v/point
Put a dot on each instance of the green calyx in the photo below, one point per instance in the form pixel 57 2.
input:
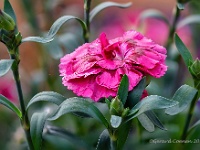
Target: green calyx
pixel 9 34
pixel 6 22
pixel 195 72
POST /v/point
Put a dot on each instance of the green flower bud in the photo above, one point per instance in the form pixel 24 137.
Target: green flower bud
pixel 6 22
pixel 9 34
pixel 195 72
pixel 116 107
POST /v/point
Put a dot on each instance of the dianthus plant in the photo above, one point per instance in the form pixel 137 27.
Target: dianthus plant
pixel 109 72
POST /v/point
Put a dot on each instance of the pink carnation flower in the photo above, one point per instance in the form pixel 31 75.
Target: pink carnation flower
pixel 7 89
pixel 95 69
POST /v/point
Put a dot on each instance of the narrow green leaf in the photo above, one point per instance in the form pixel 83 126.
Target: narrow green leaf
pixel 154 119
pixel 123 89
pixel 189 20
pixel 184 95
pixel 5 65
pixel 9 10
pixel 180 6
pixel 104 5
pixel 54 29
pixel 72 138
pixel 115 121
pixel 193 127
pixel 123 132
pixel 36 128
pixel 47 96
pixel 146 122
pixel 186 55
pixel 104 141
pixel 135 95
pixel 4 101
pixel 54 49
pixel 150 103
pixel 80 105
pixel 153 13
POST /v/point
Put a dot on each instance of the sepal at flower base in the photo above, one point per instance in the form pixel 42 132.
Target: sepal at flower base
pixel 195 72
pixel 9 34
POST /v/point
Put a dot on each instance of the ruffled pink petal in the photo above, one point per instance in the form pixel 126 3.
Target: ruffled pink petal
pixel 109 79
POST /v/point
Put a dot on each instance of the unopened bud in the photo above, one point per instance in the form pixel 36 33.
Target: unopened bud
pixel 116 107
pixel 195 72
pixel 6 22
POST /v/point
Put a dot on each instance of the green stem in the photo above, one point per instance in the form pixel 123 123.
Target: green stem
pixel 87 4
pixel 189 117
pixel 113 144
pixel 25 121
pixel 173 28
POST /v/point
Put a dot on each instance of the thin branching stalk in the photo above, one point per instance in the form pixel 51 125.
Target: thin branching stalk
pixel 87 4
pixel 25 120
pixel 189 117
pixel 173 28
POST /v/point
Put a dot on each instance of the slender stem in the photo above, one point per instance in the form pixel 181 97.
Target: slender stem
pixel 87 4
pixel 113 144
pixel 25 121
pixel 173 28
pixel 189 116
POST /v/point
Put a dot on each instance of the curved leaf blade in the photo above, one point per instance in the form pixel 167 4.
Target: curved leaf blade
pixel 123 131
pixel 150 103
pixel 135 95
pixel 153 13
pixel 80 105
pixel 47 96
pixel 146 122
pixel 193 127
pixel 4 101
pixel 9 10
pixel 54 29
pixel 189 20
pixel 123 89
pixel 60 132
pixel 104 5
pixel 104 141
pixel 186 55
pixel 36 128
pixel 5 65
pixel 154 119
pixel 184 95
pixel 115 121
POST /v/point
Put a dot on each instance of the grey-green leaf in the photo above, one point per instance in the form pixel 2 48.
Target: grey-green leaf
pixel 104 5
pixel 150 103
pixel 10 105
pixel 123 131
pixel 104 141
pixel 184 95
pixel 54 29
pixel 5 65
pixel 186 55
pixel 36 128
pixel 72 138
pixel 123 89
pixel 9 10
pixel 154 119
pixel 193 127
pixel 189 20
pixel 80 105
pixel 153 13
pixel 115 121
pixel 47 96
pixel 135 95
pixel 146 122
